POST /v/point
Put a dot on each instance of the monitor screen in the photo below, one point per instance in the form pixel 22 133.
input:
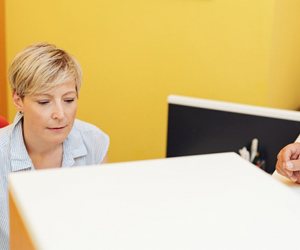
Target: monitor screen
pixel 200 126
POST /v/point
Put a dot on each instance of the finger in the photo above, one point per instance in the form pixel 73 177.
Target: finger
pixel 296 174
pixel 294 157
pixel 289 152
pixel 284 154
pixel 292 165
pixel 289 174
pixel 283 171
pixel 279 168
pixel 279 171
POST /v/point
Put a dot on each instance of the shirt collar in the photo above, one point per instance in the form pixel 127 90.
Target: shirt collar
pixel 20 159
pixel 73 147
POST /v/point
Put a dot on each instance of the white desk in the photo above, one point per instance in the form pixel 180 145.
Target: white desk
pixel 216 201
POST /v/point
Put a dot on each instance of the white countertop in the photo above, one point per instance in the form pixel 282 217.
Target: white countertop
pixel 216 201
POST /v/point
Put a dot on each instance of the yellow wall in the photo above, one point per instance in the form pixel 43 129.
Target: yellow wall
pixel 135 53
pixel 284 83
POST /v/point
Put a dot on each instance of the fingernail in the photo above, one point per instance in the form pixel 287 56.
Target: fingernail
pixel 289 165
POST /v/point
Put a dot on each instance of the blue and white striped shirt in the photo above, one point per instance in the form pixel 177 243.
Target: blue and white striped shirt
pixel 85 145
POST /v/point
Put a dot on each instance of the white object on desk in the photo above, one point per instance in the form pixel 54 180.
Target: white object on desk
pixel 216 201
pixel 298 138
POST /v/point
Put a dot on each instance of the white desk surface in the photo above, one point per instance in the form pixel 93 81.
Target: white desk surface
pixel 216 201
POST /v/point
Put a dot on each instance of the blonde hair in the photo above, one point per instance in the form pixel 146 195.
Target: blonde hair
pixel 40 67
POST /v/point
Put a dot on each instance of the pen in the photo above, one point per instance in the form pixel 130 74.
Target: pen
pixel 298 138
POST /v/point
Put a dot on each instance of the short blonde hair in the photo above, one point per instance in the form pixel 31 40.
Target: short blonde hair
pixel 40 67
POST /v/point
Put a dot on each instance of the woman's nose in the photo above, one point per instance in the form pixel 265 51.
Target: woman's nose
pixel 58 112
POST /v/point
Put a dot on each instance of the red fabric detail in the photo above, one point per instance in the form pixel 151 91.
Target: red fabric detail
pixel 3 122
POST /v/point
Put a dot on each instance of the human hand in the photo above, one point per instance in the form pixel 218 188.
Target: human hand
pixel 288 162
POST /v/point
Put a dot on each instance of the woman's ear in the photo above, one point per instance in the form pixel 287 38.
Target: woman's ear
pixel 18 102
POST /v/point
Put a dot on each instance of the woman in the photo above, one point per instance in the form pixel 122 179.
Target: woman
pixel 45 83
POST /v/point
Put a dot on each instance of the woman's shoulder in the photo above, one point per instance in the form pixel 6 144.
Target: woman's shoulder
pixel 5 145
pixel 86 127
pixel 90 131
pixel 96 141
pixel 5 134
pixel 12 133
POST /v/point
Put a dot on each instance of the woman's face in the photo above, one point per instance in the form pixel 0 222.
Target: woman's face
pixel 49 117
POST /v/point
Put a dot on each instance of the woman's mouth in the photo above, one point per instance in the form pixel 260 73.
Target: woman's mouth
pixel 57 128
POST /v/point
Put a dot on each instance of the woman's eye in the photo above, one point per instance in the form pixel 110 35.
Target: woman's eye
pixel 43 102
pixel 70 100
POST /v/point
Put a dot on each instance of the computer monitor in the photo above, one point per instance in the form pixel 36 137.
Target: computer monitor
pixel 201 126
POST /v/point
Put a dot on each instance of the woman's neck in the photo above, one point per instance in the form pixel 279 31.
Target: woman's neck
pixel 50 159
pixel 43 155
